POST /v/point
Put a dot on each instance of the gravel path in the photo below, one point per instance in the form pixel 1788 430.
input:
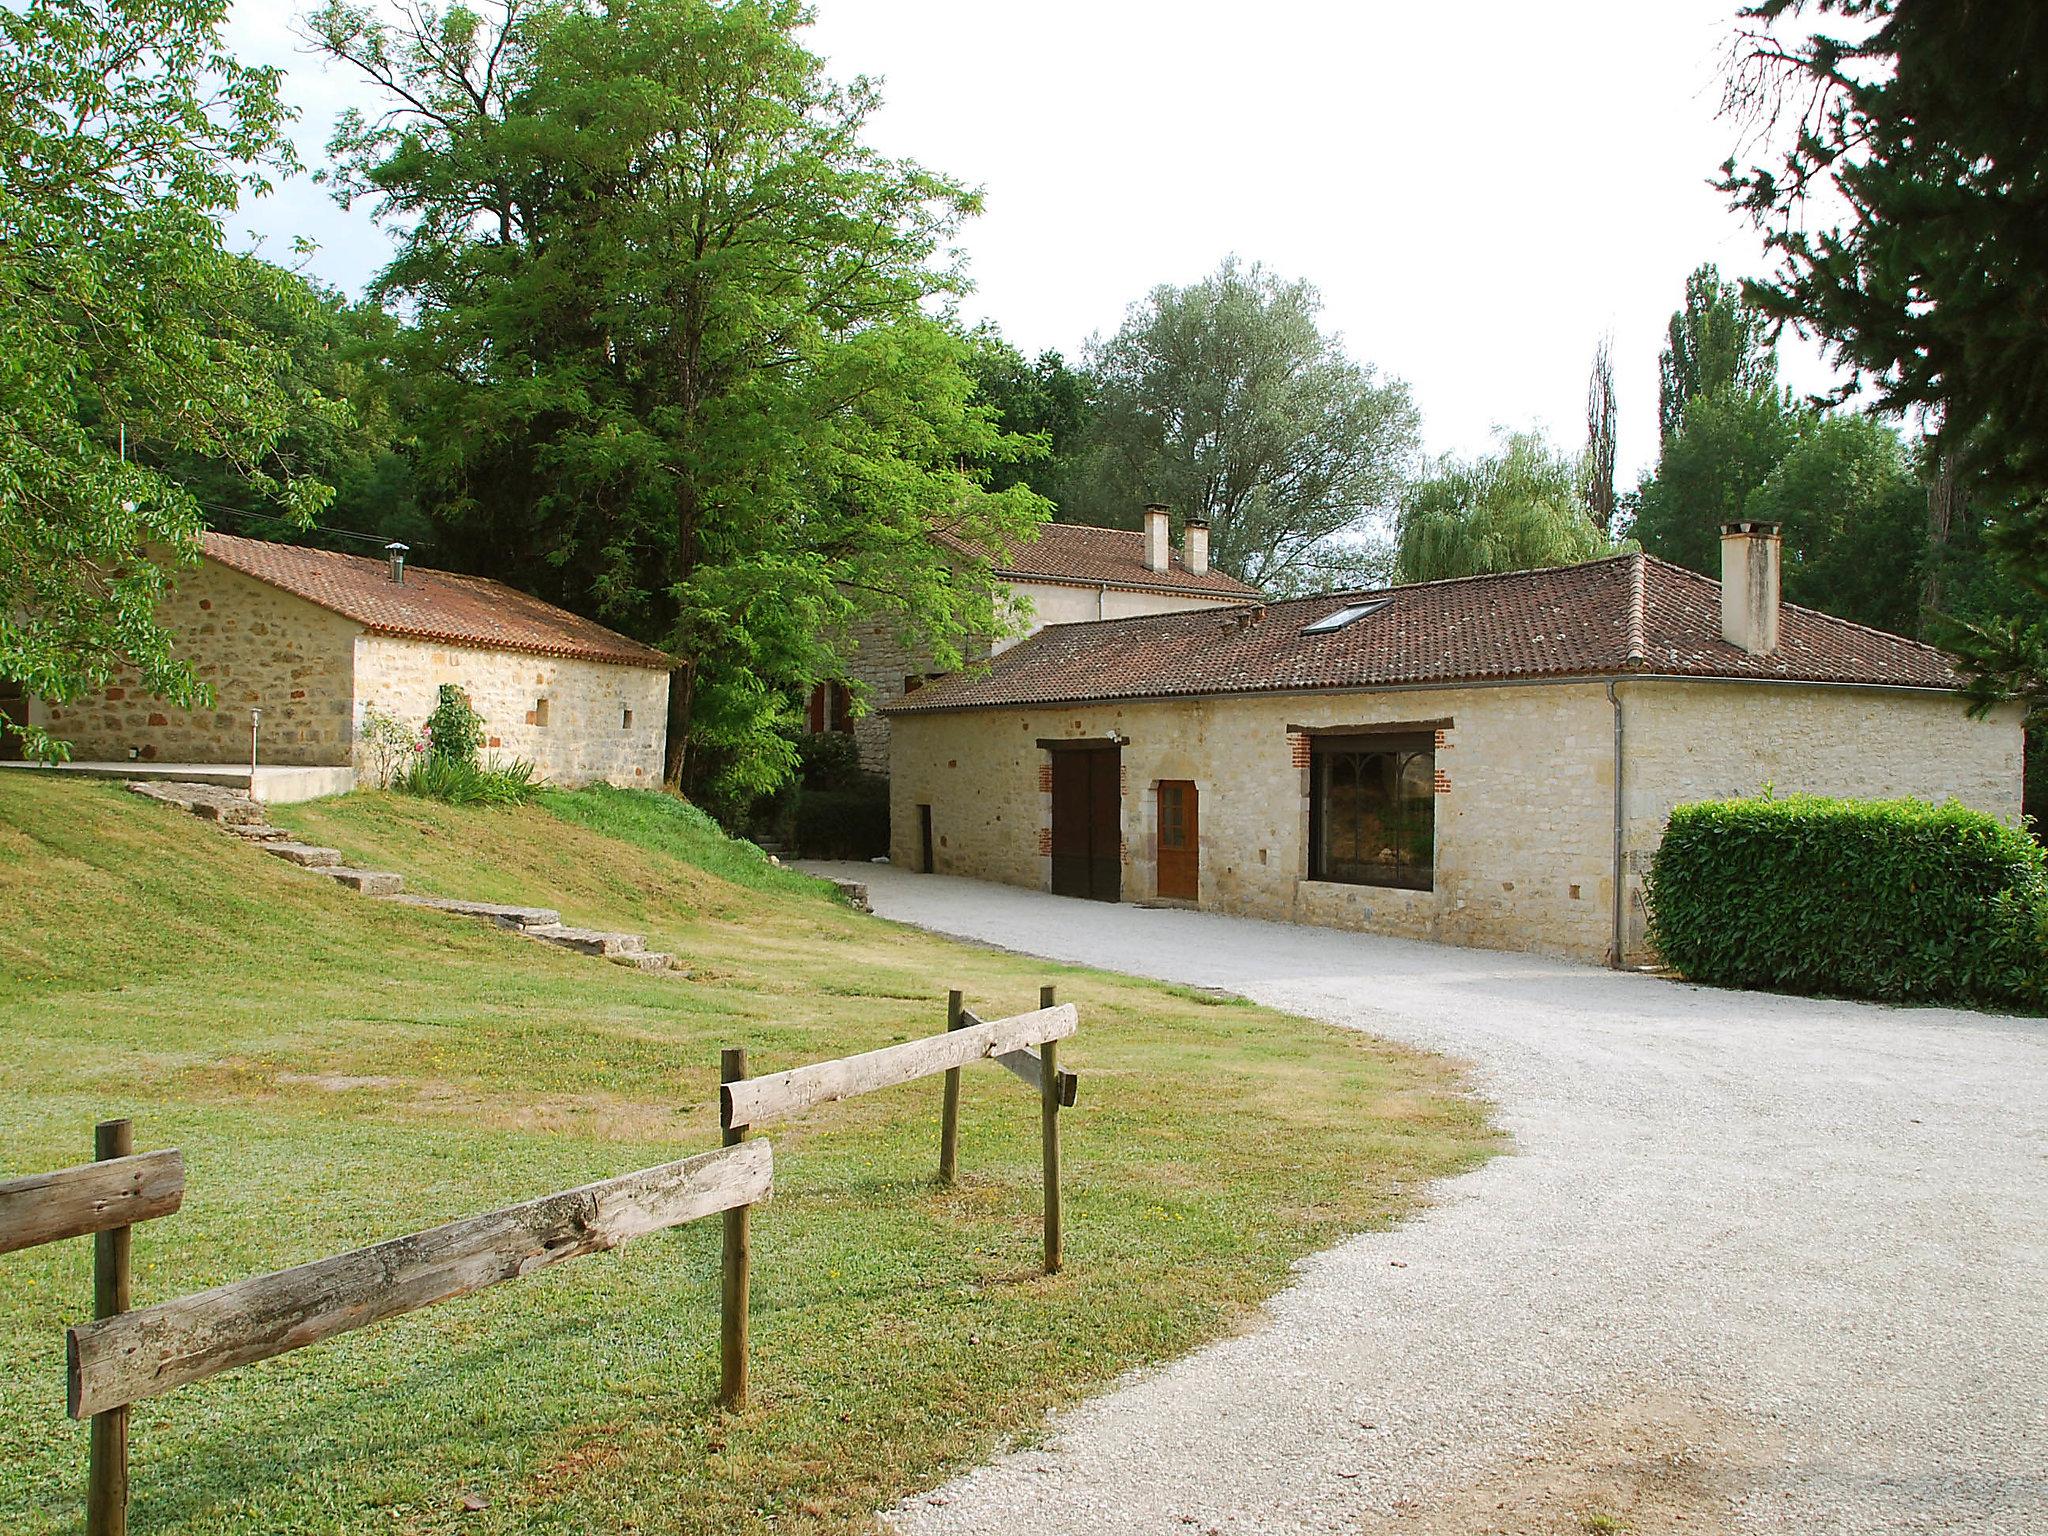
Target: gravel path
pixel 1757 1264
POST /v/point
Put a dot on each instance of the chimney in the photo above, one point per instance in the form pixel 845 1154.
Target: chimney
pixel 1194 545
pixel 1750 577
pixel 395 553
pixel 1157 548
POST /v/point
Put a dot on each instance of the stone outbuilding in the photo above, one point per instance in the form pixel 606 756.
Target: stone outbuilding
pixel 1069 574
pixel 314 639
pixel 1487 761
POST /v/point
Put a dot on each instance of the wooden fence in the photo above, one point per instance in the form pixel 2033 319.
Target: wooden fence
pixel 747 1102
pixel 124 1356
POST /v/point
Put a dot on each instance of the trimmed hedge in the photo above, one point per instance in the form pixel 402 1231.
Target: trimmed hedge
pixel 1890 899
pixel 843 823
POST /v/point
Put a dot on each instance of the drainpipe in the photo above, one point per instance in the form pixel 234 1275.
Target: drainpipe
pixel 1102 601
pixel 1620 865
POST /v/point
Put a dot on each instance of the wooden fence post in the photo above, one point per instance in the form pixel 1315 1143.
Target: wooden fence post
pixel 1049 1131
pixel 949 1124
pixel 106 1489
pixel 736 1265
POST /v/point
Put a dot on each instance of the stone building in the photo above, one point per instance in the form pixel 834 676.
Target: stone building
pixel 1486 761
pixel 1069 574
pixel 313 639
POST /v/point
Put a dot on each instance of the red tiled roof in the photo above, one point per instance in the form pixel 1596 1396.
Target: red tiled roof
pixel 1075 552
pixel 1631 614
pixel 431 605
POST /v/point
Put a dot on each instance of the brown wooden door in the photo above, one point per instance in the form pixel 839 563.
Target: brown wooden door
pixel 1180 840
pixel 1087 838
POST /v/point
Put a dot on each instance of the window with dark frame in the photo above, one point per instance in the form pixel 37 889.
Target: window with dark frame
pixel 1372 810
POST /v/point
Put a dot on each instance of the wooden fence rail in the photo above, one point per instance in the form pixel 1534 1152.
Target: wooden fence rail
pixel 93 1197
pixel 134 1355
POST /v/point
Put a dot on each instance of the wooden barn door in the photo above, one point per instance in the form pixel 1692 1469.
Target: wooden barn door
pixel 1087 838
pixel 1180 840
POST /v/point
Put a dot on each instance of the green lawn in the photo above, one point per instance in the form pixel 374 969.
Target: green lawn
pixel 340 1070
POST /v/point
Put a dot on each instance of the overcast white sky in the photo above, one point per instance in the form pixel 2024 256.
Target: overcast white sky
pixel 1478 187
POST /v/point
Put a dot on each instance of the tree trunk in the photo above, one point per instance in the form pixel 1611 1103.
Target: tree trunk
pixel 1945 502
pixel 681 695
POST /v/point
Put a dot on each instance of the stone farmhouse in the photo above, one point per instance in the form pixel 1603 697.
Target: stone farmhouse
pixel 1487 761
pixel 313 639
pixel 1069 574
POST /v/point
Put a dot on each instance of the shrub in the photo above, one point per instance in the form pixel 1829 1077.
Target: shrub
pixel 828 760
pixel 391 745
pixel 455 731
pixel 438 777
pixel 1889 899
pixel 844 823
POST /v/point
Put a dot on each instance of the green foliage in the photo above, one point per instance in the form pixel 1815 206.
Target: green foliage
pixel 1727 444
pixel 1515 510
pixel 1919 135
pixel 128 134
pixel 847 823
pixel 391 745
pixel 1227 399
pixel 1894 899
pixel 671 827
pixel 1042 400
pixel 464 781
pixel 1716 342
pixel 676 360
pixel 828 760
pixel 455 731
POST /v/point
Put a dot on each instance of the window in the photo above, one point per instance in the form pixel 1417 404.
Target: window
pixel 626 717
pixel 1372 810
pixel 540 712
pixel 831 708
pixel 1351 613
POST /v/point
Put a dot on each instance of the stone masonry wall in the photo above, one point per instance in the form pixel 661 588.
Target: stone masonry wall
pixel 583 732
pixel 1524 803
pixel 258 648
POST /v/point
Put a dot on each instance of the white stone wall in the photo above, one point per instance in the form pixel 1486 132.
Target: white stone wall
pixel 1524 813
pixel 582 735
pixel 258 648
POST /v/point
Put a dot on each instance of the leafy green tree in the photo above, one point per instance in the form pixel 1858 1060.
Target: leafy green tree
pixel 1904 206
pixel 1716 341
pixel 1042 399
pixel 1226 399
pixel 1602 441
pixel 128 133
pixel 673 362
pixel 1854 514
pixel 1519 509
pixel 1728 442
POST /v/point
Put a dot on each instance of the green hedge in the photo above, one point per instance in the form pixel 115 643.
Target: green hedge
pixel 843 823
pixel 1890 899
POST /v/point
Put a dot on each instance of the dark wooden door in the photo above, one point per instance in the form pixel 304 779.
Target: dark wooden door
pixel 1087 839
pixel 14 705
pixel 927 858
pixel 1180 840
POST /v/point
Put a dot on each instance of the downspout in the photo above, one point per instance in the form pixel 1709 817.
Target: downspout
pixel 1617 960
pixel 1102 600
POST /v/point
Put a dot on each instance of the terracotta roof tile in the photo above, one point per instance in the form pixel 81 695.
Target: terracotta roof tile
pixel 1075 552
pixel 431 605
pixel 1628 614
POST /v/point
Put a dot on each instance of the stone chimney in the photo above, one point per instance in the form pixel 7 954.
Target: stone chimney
pixel 1194 545
pixel 1750 586
pixel 1158 551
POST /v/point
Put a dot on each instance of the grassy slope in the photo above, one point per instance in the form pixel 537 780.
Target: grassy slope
pixel 340 1070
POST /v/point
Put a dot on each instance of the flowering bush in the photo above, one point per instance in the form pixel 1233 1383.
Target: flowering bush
pixel 391 745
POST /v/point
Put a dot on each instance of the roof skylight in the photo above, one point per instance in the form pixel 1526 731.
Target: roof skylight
pixel 1349 614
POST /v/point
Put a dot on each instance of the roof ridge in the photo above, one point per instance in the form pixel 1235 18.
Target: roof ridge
pixel 1638 609
pixel 1817 613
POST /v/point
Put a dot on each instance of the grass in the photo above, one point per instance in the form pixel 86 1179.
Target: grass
pixel 340 1070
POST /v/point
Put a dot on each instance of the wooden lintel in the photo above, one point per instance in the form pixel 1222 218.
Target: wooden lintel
pixel 93 1197
pixel 760 1100
pixel 134 1355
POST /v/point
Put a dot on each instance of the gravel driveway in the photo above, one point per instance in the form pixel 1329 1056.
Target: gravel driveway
pixel 1756 1264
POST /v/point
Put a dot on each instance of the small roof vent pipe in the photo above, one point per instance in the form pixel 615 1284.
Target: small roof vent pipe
pixel 395 552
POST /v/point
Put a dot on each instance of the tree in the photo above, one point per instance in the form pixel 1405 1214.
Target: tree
pixel 1727 444
pixel 1518 509
pixel 1226 399
pixel 1600 439
pixel 1716 341
pixel 1042 399
pixel 672 360
pixel 1904 207
pixel 129 132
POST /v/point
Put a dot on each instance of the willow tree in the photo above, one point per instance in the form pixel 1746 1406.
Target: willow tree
pixel 129 132
pixel 1517 509
pixel 674 354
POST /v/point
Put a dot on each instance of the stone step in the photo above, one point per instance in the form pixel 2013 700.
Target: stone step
pixel 261 834
pixel 305 855
pixel 644 960
pixel 589 941
pixel 522 918
pixel 367 882
pixel 209 802
pixel 230 811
